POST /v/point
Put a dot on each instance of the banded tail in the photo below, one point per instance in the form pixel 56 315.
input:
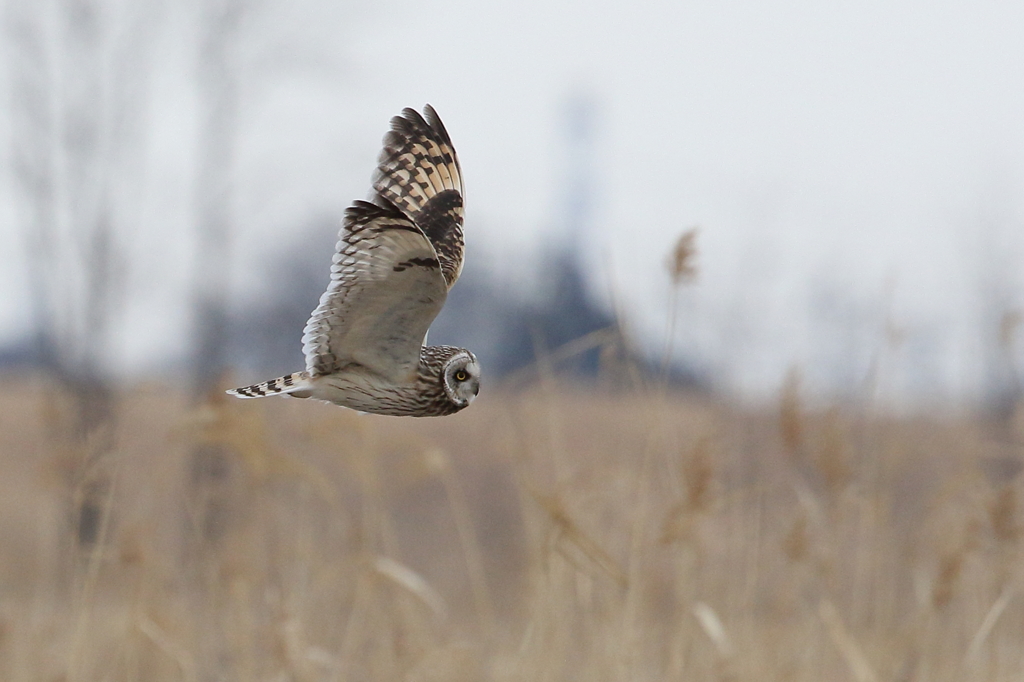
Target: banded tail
pixel 296 384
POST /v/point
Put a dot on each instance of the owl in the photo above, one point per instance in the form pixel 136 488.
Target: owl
pixel 397 257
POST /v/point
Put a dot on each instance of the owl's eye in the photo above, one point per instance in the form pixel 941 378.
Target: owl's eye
pixel 461 375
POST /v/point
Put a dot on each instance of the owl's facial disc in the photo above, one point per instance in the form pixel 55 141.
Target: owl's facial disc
pixel 462 378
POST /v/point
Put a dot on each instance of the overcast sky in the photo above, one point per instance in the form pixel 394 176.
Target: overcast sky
pixel 847 163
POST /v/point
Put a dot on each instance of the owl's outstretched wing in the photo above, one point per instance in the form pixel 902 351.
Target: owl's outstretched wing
pixel 419 173
pixel 386 288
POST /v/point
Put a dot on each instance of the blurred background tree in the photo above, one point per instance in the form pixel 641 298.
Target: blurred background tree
pixel 78 100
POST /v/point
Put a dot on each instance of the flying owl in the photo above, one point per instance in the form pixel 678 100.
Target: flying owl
pixel 397 257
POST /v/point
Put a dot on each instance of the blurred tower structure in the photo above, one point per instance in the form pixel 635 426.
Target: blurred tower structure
pixel 567 310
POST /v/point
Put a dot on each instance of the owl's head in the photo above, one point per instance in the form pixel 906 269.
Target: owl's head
pixel 461 378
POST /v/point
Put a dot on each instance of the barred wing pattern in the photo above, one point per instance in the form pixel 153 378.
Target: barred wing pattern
pixel 397 256
pixel 386 288
pixel 419 173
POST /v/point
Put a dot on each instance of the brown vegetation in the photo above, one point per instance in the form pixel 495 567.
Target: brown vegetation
pixel 541 535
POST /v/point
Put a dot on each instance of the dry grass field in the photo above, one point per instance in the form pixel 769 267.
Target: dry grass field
pixel 539 535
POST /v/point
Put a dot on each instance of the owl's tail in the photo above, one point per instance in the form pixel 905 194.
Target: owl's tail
pixel 296 384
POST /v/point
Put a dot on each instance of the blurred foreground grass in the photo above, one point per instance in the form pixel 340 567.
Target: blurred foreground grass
pixel 540 535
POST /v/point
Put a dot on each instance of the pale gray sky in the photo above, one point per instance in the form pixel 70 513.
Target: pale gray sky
pixel 844 161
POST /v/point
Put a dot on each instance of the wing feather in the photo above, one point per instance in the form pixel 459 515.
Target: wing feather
pixel 386 288
pixel 418 171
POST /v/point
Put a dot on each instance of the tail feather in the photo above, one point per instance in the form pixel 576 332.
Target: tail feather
pixel 295 384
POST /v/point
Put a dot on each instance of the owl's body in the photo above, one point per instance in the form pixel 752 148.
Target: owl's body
pixel 362 389
pixel 396 260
